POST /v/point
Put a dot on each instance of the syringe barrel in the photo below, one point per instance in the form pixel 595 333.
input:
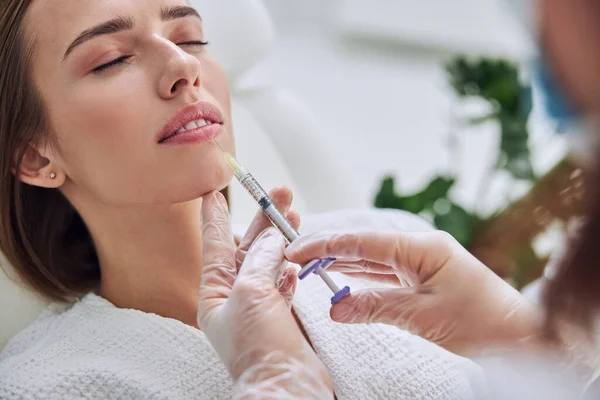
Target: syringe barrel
pixel 265 202
pixel 253 187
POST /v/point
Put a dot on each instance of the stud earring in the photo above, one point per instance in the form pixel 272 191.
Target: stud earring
pixel 52 175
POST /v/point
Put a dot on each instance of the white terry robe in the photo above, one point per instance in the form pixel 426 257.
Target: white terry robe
pixel 94 350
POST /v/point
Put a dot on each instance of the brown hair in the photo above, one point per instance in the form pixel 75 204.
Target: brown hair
pixel 573 293
pixel 41 234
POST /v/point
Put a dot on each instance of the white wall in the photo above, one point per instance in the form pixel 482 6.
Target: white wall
pixel 383 98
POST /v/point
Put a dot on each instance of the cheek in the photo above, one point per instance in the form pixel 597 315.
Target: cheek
pixel 98 106
pixel 101 117
pixel 103 129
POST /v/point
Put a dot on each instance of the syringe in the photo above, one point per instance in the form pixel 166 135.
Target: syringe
pixel 285 227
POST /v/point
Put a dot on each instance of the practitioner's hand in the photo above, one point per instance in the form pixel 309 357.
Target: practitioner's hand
pixel 439 290
pixel 246 318
pixel 282 198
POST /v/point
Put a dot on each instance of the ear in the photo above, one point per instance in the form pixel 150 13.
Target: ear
pixel 37 169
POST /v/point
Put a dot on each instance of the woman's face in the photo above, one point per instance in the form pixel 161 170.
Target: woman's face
pixel 117 77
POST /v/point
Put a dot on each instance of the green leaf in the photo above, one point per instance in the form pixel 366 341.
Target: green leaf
pixel 434 199
pixel 386 197
pixel 515 156
pixel 457 222
pixel 437 189
pixel 421 201
pixel 495 80
pixel 504 91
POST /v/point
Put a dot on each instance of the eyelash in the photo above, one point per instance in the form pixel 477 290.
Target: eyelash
pixel 123 59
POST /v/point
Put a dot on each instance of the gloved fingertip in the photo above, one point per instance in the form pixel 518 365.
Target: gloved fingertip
pixel 266 234
pixel 270 237
pixel 342 311
pixel 288 281
pixel 282 190
pixel 296 251
pixel 220 198
pixel 282 197
pixel 294 217
pixel 292 251
pixel 214 203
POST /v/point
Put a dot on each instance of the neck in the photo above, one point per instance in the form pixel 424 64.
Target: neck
pixel 151 258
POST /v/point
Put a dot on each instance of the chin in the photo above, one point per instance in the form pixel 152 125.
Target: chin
pixel 226 182
pixel 219 180
pixel 193 175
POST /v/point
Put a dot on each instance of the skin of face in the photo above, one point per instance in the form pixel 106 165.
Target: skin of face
pixel 104 119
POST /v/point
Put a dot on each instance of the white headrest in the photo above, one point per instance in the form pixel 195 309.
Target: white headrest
pixel 18 305
pixel 240 32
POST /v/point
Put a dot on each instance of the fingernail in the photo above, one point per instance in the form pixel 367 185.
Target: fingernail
pixel 285 279
pixel 220 198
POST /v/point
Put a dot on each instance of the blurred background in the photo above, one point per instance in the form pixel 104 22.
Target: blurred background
pixel 373 73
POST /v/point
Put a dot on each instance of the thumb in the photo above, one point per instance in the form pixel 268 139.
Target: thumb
pixel 265 258
pixel 392 306
pixel 218 263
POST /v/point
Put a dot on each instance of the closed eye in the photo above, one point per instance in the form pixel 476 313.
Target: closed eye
pixel 193 43
pixel 124 59
pixel 106 66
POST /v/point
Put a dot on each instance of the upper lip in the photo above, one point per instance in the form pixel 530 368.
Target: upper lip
pixel 191 112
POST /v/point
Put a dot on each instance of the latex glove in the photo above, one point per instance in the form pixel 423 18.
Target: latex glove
pixel 282 199
pixel 246 318
pixel 439 290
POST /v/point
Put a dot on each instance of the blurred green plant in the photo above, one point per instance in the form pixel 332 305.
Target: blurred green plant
pixel 497 83
pixel 432 200
pixel 503 240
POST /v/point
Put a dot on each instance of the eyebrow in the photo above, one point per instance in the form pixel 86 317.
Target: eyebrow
pixel 176 12
pixel 121 24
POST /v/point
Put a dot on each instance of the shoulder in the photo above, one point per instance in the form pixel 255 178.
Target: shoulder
pixel 94 350
pixel 36 331
pixel 81 379
pixel 39 362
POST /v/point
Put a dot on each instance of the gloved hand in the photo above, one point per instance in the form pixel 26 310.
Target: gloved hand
pixel 439 290
pixel 246 318
pixel 282 199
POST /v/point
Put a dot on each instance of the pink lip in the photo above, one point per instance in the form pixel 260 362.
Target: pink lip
pixel 187 114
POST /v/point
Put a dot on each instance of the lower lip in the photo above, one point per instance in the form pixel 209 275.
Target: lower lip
pixel 198 135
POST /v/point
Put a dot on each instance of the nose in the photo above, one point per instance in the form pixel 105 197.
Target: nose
pixel 182 73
